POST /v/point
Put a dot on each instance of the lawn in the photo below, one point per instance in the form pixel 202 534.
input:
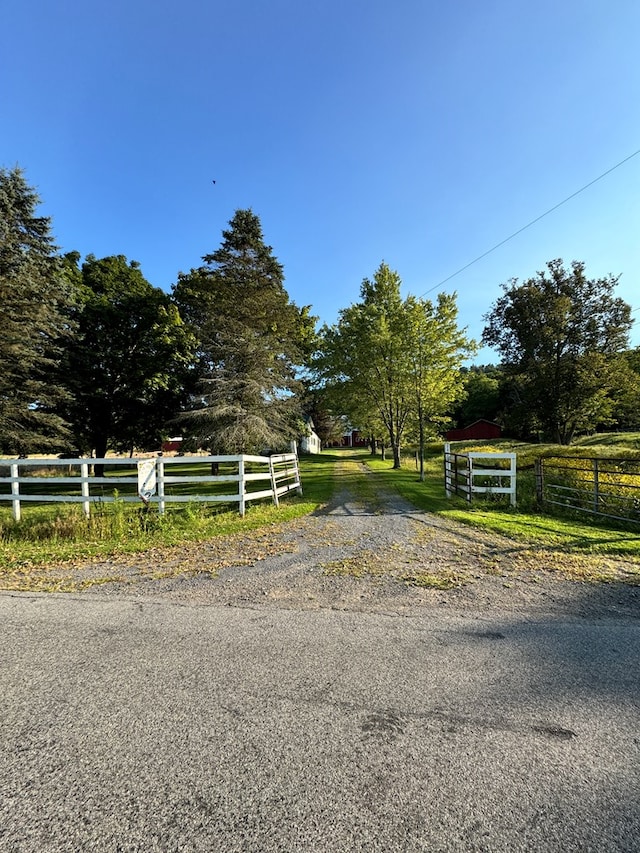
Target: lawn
pixel 51 533
pixel 525 522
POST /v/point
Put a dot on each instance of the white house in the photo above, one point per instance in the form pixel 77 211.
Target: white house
pixel 310 442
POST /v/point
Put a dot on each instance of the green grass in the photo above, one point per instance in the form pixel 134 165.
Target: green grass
pixel 611 440
pixel 525 523
pixel 49 533
pixel 54 534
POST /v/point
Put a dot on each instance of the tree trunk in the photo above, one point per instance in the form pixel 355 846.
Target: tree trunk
pixel 564 435
pixel 101 452
pixel 396 456
pixel 395 444
pixel 383 455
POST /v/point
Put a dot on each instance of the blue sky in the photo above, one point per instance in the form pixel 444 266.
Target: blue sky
pixel 418 133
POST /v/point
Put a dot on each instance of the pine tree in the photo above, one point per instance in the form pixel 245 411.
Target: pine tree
pixel 251 340
pixel 35 296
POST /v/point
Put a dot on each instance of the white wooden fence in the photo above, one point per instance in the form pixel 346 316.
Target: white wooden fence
pixel 279 473
pixel 462 469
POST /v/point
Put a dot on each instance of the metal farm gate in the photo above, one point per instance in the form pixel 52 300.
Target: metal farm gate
pixel 608 488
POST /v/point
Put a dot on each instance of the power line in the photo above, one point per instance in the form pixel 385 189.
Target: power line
pixel 533 222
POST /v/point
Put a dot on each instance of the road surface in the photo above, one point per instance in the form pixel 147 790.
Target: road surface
pixel 149 725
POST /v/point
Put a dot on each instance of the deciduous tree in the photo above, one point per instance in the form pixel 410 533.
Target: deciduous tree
pixel 481 385
pixel 392 361
pixel 318 406
pixel 558 334
pixel 625 393
pixel 363 357
pixel 436 349
pixel 127 365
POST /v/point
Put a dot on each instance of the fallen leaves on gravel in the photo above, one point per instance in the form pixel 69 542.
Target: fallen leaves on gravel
pixel 202 558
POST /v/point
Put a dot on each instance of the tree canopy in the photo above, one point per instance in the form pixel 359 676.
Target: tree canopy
pixel 127 364
pixel 250 341
pixel 35 298
pixel 558 334
pixel 393 363
pixel 93 357
pixel 436 351
pixel 482 395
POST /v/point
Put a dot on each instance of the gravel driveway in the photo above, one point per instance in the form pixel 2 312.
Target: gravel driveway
pixel 370 551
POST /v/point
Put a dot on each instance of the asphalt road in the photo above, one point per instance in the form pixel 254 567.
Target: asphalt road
pixel 150 726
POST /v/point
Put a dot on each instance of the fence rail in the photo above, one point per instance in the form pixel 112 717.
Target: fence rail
pixel 257 477
pixel 608 488
pixel 463 470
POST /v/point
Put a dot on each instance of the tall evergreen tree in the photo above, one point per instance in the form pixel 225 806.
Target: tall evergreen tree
pixel 251 339
pixel 35 296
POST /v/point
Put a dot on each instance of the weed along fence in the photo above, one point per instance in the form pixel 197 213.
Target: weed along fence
pixel 479 473
pixel 158 480
pixel 609 488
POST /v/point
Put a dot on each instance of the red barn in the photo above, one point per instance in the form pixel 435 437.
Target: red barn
pixel 172 445
pixel 481 429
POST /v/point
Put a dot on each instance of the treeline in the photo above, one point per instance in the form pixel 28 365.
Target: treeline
pixel 492 392
pixel 566 365
pixel 93 357
pixel 396 366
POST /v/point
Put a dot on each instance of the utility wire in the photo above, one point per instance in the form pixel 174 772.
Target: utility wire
pixel 533 222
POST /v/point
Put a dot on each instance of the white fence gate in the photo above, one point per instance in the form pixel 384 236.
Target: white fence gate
pixel 462 470
pixel 280 475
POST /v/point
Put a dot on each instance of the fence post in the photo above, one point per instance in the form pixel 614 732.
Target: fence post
pixel 596 486
pixel 274 484
pixel 539 481
pixel 469 478
pixel 447 469
pixel 512 479
pixel 84 489
pixel 15 490
pixel 241 501
pixel 298 478
pixel 160 484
